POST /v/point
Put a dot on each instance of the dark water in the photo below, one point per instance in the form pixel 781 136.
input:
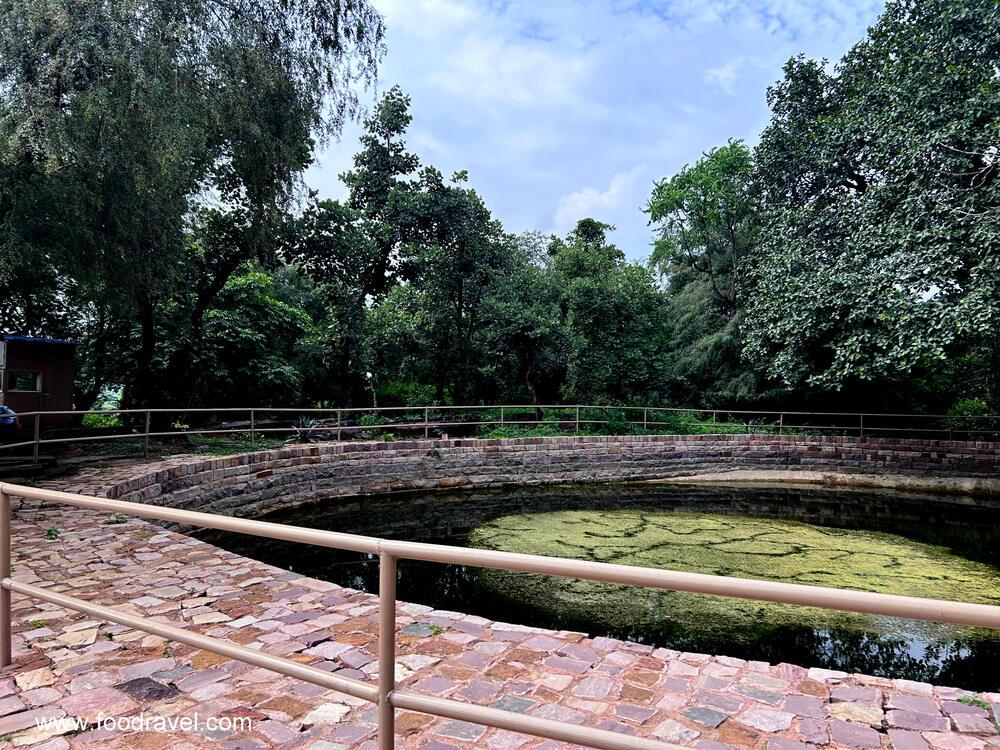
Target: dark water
pixel 970 529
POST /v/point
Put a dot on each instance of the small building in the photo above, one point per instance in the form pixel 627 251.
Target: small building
pixel 36 374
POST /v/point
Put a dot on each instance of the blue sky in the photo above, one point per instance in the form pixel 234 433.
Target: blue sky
pixel 565 109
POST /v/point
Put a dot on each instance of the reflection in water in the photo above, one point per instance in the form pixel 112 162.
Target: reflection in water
pixel 963 532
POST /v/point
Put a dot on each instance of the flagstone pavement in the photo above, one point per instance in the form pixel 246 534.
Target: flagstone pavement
pixel 68 665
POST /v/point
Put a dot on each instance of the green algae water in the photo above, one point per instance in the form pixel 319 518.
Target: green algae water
pixel 933 546
pixel 765 549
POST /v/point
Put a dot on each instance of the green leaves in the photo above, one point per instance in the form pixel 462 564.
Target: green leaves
pixel 614 318
pixel 881 203
pixel 707 220
pixel 121 120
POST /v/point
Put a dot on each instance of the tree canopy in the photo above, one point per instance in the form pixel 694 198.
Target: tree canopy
pixel 121 122
pixel 879 191
pixel 152 206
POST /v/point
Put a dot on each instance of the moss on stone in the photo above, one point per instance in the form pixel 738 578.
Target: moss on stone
pixel 732 546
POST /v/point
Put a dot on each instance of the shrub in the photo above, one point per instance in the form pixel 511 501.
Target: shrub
pixel 969 407
pixel 101 420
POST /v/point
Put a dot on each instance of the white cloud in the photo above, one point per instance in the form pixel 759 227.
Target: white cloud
pixel 424 142
pixel 725 77
pixel 508 72
pixel 598 204
pixel 427 19
pixel 542 101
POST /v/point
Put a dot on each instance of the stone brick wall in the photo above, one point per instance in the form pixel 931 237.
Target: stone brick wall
pixel 254 483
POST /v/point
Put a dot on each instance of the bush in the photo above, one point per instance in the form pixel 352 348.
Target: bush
pixel 619 424
pixel 507 431
pixel 398 393
pixel 969 407
pixel 677 423
pixel 101 420
pixel 373 419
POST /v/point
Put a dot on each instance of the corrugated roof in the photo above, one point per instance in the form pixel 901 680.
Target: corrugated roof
pixel 36 339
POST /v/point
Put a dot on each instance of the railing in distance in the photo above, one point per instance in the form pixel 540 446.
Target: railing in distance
pixel 343 423
pixel 385 693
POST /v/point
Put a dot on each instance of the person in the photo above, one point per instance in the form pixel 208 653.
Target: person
pixel 10 423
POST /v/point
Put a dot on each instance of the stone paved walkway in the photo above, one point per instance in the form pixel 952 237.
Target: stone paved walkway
pixel 67 665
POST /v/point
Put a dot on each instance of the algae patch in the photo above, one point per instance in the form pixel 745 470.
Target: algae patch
pixel 732 546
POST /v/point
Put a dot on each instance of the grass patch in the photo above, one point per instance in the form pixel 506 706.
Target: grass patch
pixel 970 700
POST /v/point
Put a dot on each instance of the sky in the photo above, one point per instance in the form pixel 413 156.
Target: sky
pixel 561 109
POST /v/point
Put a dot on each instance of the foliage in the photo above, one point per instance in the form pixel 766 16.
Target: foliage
pixel 151 161
pixel 509 431
pixel 525 342
pixel 969 407
pixel 706 220
pixel 101 420
pixel 881 202
pixel 119 121
pixel 614 318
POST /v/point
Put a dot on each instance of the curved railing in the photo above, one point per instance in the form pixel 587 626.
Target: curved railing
pixel 253 424
pixel 385 693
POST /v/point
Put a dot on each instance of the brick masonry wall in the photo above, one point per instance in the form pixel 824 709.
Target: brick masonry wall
pixel 252 484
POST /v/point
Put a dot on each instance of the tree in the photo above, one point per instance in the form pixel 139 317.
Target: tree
pixel 525 344
pixel 119 119
pixel 614 317
pixel 353 250
pixel 329 244
pixel 706 223
pixel 381 188
pixel 456 253
pixel 247 354
pixel 881 198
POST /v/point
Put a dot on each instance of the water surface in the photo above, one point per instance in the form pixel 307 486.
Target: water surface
pixel 903 543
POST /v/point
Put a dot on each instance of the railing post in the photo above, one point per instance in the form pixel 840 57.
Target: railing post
pixel 145 437
pixel 781 422
pixel 38 434
pixel 645 419
pixel 5 624
pixel 501 414
pixel 427 422
pixel 253 428
pixel 386 650
pixel 577 420
pixel 338 425
pixel 861 425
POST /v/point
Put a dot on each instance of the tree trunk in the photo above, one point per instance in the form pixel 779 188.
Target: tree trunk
pixel 144 387
pixel 994 377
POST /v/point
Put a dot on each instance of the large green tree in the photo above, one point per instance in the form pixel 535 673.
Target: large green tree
pixel 881 258
pixel 614 316
pixel 457 252
pixel 118 119
pixel 524 340
pixel 706 222
pixel 355 250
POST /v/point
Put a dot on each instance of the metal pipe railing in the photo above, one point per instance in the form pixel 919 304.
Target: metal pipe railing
pixel 570 416
pixel 385 694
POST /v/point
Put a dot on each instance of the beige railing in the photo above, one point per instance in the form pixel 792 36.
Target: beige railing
pixel 384 693
pixel 341 423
